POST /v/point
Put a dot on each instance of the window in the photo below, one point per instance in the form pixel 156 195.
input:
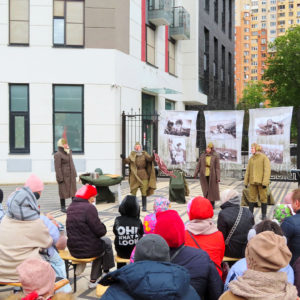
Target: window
pixel 272 31
pixel 272 24
pixel 291 5
pixel 253 77
pixel 291 14
pixel 263 10
pixel 281 15
pixel 253 71
pixel 281 6
pixel 223 65
pixel 254 26
pixel 172 57
pixel 230 19
pixel 254 48
pixel 216 10
pixel 19 22
pixel 273 8
pixel 247 37
pixel 263 25
pixel 19 118
pixel 150 45
pixel 216 58
pixel 282 22
pixel 246 14
pixel 206 5
pixel 246 53
pixel 246 45
pixel 254 18
pixel 263 41
pixel 68 23
pixel 169 105
pixel 246 61
pixel 68 115
pixel 273 17
pixel 246 22
pixel 264 17
pixel 281 30
pixel 246 6
pixel 246 29
pixel 223 15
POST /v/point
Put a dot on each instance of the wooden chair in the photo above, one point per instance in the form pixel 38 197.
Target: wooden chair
pixel 100 290
pixel 122 260
pixel 58 284
pixel 227 259
pixel 72 261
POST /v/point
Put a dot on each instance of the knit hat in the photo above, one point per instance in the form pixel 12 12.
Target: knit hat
pixel 201 209
pixel 152 247
pixel 61 142
pixel 1 196
pixel 161 204
pixel 231 196
pixel 170 226
pixel 34 183
pixel 130 207
pixel 86 192
pixel 36 275
pixel 210 145
pixel 256 146
pixel 267 252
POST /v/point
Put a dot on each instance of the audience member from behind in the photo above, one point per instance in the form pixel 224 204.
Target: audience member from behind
pixel 204 276
pixel 284 210
pixel 152 276
pixel 160 204
pixel 291 227
pixel 86 233
pixel 240 266
pixel 234 222
pixel 201 232
pixel 22 231
pixel 128 228
pixel 1 208
pixel 266 253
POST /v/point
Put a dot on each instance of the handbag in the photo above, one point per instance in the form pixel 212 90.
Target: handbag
pixel 236 223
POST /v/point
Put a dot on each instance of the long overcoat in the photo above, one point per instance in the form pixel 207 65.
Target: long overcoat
pixel 211 190
pixel 65 173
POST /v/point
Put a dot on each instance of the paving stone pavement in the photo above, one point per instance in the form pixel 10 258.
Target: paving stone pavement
pixel 49 203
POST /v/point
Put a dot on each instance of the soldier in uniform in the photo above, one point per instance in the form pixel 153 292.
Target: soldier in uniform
pixel 141 173
pixel 257 175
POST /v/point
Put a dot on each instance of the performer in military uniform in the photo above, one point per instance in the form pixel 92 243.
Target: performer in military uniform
pixel 141 173
pixel 208 169
pixel 257 175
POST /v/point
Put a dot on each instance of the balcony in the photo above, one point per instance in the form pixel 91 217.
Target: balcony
pixel 160 12
pixel 180 26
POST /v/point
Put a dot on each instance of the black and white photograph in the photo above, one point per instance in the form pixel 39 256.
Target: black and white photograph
pixel 274 153
pixel 222 129
pixel 177 151
pixel 269 127
pixel 179 127
pixel 227 154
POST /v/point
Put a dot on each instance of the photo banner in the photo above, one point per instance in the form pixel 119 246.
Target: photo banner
pixel 177 139
pixel 225 130
pixel 270 128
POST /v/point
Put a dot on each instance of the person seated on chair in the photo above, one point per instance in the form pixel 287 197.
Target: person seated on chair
pixel 234 222
pixel 239 268
pixel 128 227
pixel 86 233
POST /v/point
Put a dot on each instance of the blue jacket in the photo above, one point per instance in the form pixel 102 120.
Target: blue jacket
pixel 204 276
pixel 240 267
pixel 291 229
pixel 149 280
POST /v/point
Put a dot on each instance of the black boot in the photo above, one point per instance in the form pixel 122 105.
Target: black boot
pixel 213 204
pixel 144 203
pixel 251 206
pixel 63 205
pixel 264 211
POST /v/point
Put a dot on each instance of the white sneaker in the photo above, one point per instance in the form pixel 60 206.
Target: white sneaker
pixel 93 285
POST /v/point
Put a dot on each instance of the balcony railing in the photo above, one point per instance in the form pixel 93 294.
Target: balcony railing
pixel 160 12
pixel 180 26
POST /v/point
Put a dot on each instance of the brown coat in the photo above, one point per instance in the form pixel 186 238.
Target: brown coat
pixel 134 179
pixel 65 173
pixel 211 190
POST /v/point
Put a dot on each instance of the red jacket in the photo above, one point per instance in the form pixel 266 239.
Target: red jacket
pixel 213 244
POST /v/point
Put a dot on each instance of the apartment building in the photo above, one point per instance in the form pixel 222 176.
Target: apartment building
pixel 75 66
pixel 257 24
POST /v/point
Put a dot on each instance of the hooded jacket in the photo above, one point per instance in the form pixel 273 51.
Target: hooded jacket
pixel 226 219
pixel 203 273
pixel 128 228
pixel 149 280
pixel 201 211
pixel 84 229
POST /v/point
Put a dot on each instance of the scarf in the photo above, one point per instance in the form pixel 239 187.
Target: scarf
pixel 22 205
pixel 255 285
pixel 201 227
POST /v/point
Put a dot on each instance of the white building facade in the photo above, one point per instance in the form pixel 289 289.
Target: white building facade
pixel 74 67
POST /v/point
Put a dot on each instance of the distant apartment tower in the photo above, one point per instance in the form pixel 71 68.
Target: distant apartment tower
pixel 258 23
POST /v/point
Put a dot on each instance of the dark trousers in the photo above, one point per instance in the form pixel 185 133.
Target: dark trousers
pixel 104 262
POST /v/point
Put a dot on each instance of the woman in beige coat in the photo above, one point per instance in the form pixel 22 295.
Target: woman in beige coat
pixel 65 172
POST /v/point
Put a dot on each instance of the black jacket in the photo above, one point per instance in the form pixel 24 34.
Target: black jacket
pixel 291 229
pixel 128 228
pixel 84 229
pixel 226 219
pixel 205 278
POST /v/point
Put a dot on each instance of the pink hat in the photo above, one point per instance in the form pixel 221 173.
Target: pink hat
pixel 36 275
pixel 86 192
pixel 34 183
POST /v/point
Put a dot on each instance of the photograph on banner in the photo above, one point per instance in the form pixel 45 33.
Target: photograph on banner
pixel 273 134
pixel 177 139
pixel 180 127
pixel 225 129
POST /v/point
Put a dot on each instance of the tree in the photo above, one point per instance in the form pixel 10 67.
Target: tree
pixel 253 97
pixel 282 77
